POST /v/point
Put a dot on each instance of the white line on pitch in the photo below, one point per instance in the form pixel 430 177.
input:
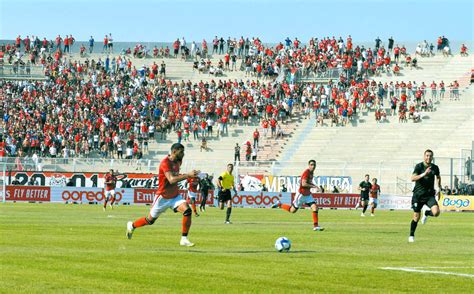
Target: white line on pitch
pixel 408 269
pixel 442 267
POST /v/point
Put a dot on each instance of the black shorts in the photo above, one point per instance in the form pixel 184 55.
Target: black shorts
pixel 224 196
pixel 418 202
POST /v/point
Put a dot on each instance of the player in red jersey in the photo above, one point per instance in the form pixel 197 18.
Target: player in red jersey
pixel 168 195
pixel 110 182
pixel 193 184
pixel 374 195
pixel 304 196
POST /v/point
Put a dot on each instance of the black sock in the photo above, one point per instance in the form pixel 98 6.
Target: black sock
pixel 413 228
pixel 365 208
pixel 428 213
pixel 229 211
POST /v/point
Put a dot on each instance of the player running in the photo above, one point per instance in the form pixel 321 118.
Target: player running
pixel 225 183
pixel 110 183
pixel 373 196
pixel 424 192
pixel 364 188
pixel 205 185
pixel 167 195
pixel 304 196
pixel 193 184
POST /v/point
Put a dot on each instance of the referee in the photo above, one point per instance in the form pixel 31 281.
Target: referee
pixel 225 183
pixel 424 192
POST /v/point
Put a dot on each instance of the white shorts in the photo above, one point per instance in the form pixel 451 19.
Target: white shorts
pixel 110 193
pixel 300 199
pixel 161 204
pixel 192 194
pixel 374 201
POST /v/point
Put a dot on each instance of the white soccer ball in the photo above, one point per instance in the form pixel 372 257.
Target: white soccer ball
pixel 282 244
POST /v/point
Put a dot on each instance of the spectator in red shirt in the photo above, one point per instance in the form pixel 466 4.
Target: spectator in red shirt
pixel 256 137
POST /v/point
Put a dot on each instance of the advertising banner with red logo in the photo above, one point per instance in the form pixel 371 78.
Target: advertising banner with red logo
pixel 259 199
pixel 86 195
pixel 27 193
pixel 335 200
pixel 241 199
pixel 146 196
pixel 267 199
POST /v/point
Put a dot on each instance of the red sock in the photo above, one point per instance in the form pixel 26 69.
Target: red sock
pixel 105 203
pixel 186 224
pixel 372 210
pixel 140 222
pixel 286 207
pixel 315 218
pixel 113 201
pixel 193 206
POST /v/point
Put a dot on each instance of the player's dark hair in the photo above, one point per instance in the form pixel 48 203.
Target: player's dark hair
pixel 430 151
pixel 312 161
pixel 367 175
pixel 177 146
pixel 230 164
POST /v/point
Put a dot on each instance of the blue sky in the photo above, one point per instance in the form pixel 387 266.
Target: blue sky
pixel 272 21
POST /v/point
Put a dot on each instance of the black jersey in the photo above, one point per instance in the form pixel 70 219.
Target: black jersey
pixel 367 185
pixel 424 187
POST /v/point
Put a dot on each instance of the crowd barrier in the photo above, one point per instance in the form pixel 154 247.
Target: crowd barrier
pixel 245 199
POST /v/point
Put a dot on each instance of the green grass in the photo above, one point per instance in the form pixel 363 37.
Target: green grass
pixel 80 248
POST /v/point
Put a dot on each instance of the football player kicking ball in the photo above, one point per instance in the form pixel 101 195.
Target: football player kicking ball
pixel 110 182
pixel 424 192
pixel 304 196
pixel 168 195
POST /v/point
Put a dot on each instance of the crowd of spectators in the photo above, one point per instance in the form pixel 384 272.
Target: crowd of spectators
pixel 113 109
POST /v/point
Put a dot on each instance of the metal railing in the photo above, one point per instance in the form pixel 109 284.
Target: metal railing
pixel 21 71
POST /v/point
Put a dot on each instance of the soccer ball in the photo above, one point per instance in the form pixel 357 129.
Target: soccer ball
pixel 282 244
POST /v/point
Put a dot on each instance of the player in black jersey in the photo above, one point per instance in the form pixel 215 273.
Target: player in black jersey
pixel 424 193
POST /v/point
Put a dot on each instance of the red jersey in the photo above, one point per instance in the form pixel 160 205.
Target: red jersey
pixel 307 176
pixel 193 184
pixel 165 189
pixel 112 179
pixel 374 191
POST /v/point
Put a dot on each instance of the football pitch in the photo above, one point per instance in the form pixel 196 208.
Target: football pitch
pixel 80 248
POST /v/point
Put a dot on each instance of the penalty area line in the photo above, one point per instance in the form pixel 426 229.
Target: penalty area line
pixel 416 270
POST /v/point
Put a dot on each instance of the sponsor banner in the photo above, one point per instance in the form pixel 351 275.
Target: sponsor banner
pixel 85 195
pixel 388 201
pixel 241 199
pixel 267 199
pixel 456 202
pixel 27 193
pixel 60 179
pixel 146 196
pixel 259 199
pixel 292 183
pixel 335 200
